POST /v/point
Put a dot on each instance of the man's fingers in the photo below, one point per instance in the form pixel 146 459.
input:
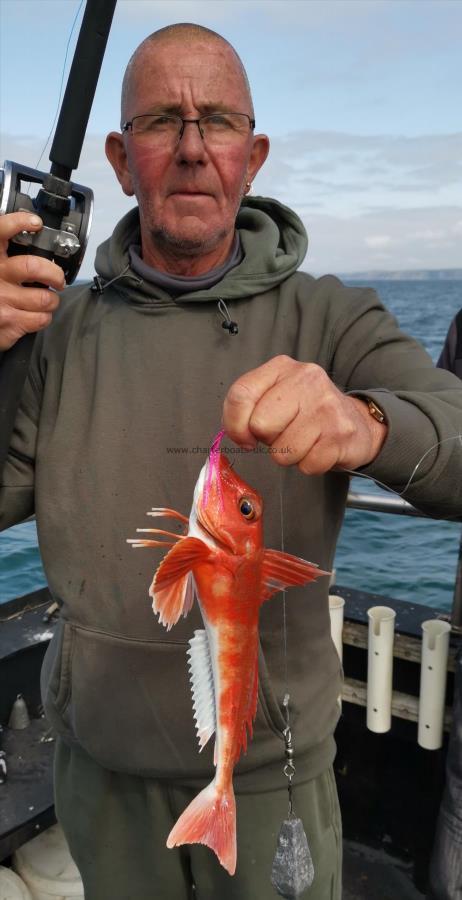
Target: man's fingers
pixel 237 409
pixel 24 323
pixel 24 310
pixel 245 394
pixel 14 223
pixel 278 407
pixel 321 458
pixel 28 269
pixel 30 299
pixel 295 442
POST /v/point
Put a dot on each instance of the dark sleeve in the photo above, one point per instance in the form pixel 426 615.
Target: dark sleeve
pixel 451 354
pixel 18 476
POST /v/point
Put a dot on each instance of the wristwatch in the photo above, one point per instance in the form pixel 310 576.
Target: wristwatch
pixel 375 410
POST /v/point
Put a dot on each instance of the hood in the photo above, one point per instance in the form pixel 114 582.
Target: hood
pixel 272 236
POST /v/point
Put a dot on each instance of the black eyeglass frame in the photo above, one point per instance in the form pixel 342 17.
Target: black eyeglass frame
pixel 126 126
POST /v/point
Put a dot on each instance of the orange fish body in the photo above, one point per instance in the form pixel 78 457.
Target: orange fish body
pixel 223 563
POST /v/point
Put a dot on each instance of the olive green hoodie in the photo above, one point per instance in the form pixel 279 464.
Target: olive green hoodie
pixel 124 396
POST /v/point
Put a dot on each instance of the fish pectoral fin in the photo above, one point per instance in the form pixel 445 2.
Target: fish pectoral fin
pixel 282 570
pixel 173 600
pixel 172 589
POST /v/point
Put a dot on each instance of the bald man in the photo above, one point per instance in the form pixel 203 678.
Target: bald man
pixel 199 311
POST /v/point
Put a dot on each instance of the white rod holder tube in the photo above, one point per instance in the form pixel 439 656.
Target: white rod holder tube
pixel 380 667
pixel 336 605
pixel 435 648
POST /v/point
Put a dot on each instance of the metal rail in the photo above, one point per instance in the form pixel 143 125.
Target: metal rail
pixel 399 507
pixel 384 504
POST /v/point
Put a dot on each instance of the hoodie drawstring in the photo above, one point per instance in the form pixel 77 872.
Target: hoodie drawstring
pixel 99 286
pixel 230 326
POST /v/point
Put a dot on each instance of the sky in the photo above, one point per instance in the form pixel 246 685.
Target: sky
pixel 361 100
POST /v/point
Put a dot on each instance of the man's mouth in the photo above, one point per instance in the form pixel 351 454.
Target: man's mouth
pixel 190 193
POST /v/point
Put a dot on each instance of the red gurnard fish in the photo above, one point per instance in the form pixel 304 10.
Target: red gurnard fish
pixel 222 562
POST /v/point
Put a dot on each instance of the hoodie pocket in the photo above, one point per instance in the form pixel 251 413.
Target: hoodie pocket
pixel 128 703
pixel 55 678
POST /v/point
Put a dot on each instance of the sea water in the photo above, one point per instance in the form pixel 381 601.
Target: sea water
pixel 406 558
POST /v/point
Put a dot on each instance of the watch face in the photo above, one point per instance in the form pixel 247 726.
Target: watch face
pixel 376 411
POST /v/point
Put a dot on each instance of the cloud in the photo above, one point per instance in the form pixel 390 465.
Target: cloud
pixel 378 240
pixel 343 243
pixel 355 170
pixel 428 234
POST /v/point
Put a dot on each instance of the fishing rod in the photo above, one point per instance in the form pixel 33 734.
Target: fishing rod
pixel 65 207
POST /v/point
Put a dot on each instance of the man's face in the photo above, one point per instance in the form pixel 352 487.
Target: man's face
pixel 188 193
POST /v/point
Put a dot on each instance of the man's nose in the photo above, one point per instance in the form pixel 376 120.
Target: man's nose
pixel 190 144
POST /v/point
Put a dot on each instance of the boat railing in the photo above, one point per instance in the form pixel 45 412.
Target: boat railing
pixel 384 503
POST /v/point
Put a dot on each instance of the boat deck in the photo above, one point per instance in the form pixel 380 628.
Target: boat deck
pixel 374 875
pixel 368 874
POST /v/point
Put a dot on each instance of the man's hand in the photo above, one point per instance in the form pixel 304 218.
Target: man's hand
pixel 296 410
pixel 24 309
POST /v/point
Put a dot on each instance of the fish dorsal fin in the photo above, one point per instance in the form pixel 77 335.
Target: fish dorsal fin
pixel 282 570
pixel 172 589
pixel 203 691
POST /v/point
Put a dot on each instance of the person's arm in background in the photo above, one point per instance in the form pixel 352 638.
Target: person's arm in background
pixel 451 354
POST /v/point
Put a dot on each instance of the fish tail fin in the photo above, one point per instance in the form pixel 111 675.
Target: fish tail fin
pixel 210 819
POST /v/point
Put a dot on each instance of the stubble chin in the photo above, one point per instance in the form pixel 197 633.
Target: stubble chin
pixel 188 242
pixel 188 236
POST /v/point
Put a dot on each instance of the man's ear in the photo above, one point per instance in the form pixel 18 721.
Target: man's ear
pixel 115 152
pixel 258 155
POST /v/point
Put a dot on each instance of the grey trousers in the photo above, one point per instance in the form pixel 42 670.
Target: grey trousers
pixel 116 826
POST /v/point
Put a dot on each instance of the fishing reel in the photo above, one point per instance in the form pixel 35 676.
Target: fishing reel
pixel 65 208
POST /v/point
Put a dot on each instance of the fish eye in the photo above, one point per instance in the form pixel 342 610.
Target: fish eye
pixel 246 508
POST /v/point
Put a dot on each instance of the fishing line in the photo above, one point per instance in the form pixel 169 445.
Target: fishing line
pixel 284 591
pixel 292 871
pixel 356 474
pixel 61 85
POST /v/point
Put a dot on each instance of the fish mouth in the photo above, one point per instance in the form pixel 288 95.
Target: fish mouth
pixel 212 535
pixel 202 523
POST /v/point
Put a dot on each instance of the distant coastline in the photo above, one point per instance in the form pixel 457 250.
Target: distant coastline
pixel 404 275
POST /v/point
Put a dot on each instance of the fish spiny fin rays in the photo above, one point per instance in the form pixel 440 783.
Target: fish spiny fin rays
pixel 163 512
pixel 172 587
pixel 209 819
pixel 203 692
pixel 282 570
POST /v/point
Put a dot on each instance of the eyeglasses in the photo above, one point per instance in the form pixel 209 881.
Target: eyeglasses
pixel 217 129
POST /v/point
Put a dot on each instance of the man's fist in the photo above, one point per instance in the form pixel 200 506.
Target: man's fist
pixel 296 410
